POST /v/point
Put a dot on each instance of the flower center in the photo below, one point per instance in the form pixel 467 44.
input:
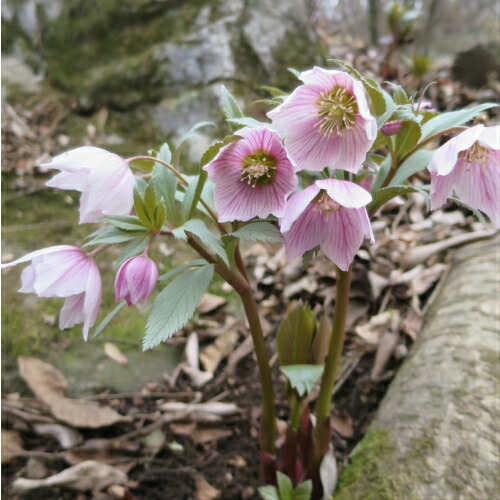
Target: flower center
pixel 258 168
pixel 337 111
pixel 475 155
pixel 325 204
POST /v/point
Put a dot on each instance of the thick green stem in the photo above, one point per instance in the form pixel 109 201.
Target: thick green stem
pixel 240 284
pixel 332 360
pixel 268 422
pixel 295 405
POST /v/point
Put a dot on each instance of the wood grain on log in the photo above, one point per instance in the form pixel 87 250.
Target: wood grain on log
pixel 437 434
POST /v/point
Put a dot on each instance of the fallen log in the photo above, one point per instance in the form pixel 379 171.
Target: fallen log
pixel 436 435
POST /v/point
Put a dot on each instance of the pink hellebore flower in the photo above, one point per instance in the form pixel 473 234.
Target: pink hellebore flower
pixel 104 179
pixel 330 213
pixel 64 271
pixel 136 280
pixel 469 163
pixel 326 122
pixel 252 176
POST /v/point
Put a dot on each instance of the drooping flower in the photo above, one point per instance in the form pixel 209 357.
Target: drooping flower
pixel 64 271
pixel 252 176
pixel 326 122
pixel 330 213
pixel 104 179
pixel 469 163
pixel 136 280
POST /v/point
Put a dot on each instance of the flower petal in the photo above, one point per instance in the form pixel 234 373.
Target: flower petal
pixel 307 232
pixel 72 311
pixel 345 232
pixel 37 253
pixel 490 137
pixel 445 158
pixel 93 296
pixel 345 193
pixel 296 205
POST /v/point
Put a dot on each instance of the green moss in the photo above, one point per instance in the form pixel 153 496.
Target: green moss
pixel 379 471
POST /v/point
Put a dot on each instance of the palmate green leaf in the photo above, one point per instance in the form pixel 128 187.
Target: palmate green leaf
pixel 214 149
pixel 107 320
pixel 133 248
pixel 408 138
pixel 399 94
pixel 268 492
pixel 177 270
pixel 295 335
pixel 302 377
pixel 200 229
pixel 144 165
pixel 166 185
pixel 453 119
pixel 207 193
pixel 274 91
pixel 380 98
pixel 112 235
pixel 259 231
pixel 140 209
pixel 382 196
pixel 415 163
pixel 188 202
pixel 285 486
pixel 247 121
pixel 150 201
pixel 176 304
pixel 230 107
pixel 303 491
pixel 126 222
pixel 475 211
pixel 165 154
pixel 381 174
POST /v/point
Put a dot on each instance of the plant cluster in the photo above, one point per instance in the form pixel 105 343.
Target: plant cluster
pixel 336 149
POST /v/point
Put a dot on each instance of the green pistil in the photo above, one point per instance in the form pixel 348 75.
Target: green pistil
pixel 476 154
pixel 258 168
pixel 325 204
pixel 337 111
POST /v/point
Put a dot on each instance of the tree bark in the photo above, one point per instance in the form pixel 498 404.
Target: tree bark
pixel 436 435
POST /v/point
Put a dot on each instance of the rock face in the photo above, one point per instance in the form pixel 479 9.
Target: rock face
pixel 168 53
pixel 437 433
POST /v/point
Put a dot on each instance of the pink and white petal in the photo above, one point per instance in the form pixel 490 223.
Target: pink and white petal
pixel 298 109
pixel 441 188
pixel 109 190
pixel 85 157
pixel 296 205
pixel 61 276
pixel 480 188
pixel 228 162
pixel 345 233
pixel 445 158
pixel 490 137
pixel 363 108
pixel 327 79
pixel 345 193
pixel 38 253
pixel 27 280
pixel 72 311
pixel 69 180
pixel 349 151
pixel 310 150
pixel 93 296
pixel 307 232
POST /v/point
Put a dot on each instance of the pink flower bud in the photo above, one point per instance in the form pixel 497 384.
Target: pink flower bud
pixel 392 128
pixel 136 280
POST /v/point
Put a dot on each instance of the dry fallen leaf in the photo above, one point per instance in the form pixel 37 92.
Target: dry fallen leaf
pixel 12 445
pixel 200 436
pixel 385 348
pixel 342 424
pixel 66 436
pixel 372 331
pixel 209 302
pixel 204 490
pixel 213 354
pixel 86 476
pixel 114 352
pixel 48 384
